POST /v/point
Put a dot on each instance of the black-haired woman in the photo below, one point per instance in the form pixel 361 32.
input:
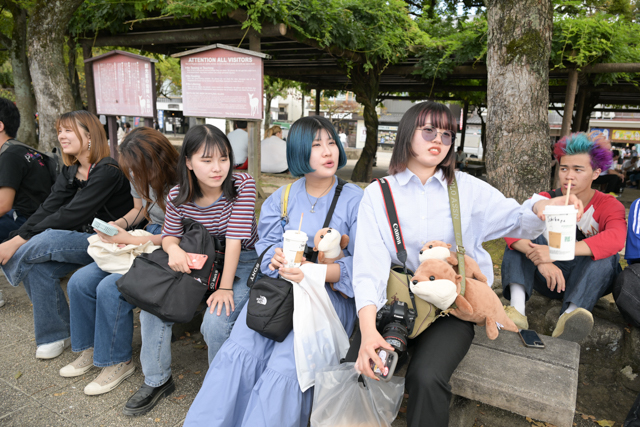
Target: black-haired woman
pixel 421 170
pixel 224 202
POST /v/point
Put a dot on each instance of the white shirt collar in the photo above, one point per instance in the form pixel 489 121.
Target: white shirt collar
pixel 406 175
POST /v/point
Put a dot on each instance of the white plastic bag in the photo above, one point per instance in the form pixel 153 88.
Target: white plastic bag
pixel 339 400
pixel 319 339
pixel 112 259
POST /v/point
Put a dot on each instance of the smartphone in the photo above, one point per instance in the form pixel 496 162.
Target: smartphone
pixel 389 362
pixel 103 227
pixel 530 338
pixel 197 261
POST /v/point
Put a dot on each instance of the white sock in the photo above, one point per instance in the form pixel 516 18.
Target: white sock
pixel 571 307
pixel 518 297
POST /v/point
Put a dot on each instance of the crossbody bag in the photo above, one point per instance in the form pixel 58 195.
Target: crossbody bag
pixel 270 305
pixel 398 288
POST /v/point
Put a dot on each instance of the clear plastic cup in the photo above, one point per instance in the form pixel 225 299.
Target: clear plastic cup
pixel 293 246
pixel 561 227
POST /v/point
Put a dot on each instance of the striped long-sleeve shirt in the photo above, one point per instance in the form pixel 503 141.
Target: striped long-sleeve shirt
pixel 233 219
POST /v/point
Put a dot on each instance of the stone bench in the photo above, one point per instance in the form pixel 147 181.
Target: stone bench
pixel 537 383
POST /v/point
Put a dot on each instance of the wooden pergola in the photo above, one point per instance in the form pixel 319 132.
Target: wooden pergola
pixel 296 58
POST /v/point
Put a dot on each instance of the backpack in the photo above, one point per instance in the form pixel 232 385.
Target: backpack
pixel 52 160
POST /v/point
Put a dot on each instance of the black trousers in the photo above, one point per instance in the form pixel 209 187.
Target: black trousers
pixel 613 183
pixel 436 353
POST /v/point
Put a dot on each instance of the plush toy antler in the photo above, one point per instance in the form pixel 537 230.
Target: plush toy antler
pixel 330 245
pixel 436 282
pixel 436 249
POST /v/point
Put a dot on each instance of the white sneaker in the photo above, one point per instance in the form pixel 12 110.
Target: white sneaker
pixel 1 299
pixel 79 366
pixel 53 349
pixel 110 378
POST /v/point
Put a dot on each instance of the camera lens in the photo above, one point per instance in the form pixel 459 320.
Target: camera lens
pixel 396 335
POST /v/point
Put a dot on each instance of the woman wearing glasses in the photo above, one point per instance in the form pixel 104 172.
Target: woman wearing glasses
pixel 422 168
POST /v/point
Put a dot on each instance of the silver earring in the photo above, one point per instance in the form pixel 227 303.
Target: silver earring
pixel 89 147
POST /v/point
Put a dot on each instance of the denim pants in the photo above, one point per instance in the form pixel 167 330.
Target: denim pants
pixel 39 264
pixel 9 222
pixel 155 355
pixel 100 317
pixel 586 280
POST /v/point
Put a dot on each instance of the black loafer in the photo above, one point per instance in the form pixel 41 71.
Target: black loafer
pixel 147 397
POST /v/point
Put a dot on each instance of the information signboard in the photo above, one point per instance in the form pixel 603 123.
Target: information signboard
pixel 222 81
pixel 124 84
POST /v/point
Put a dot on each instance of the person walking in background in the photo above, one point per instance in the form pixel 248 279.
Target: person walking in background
pixel 273 152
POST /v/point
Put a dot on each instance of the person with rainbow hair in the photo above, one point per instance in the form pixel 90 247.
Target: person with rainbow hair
pixel 600 235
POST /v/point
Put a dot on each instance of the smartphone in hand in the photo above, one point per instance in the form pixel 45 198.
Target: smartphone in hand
pixel 530 338
pixel 389 362
pixel 196 261
pixel 103 227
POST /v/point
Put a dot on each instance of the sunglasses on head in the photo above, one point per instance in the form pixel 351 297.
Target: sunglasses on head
pixel 429 133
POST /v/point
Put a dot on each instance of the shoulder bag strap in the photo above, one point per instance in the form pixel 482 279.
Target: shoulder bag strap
pixel 454 204
pixel 254 271
pixel 284 200
pixel 332 207
pixel 396 232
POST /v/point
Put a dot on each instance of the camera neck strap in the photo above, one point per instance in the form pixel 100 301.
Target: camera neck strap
pixel 396 231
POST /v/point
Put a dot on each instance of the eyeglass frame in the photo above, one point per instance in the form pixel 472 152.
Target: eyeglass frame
pixel 423 130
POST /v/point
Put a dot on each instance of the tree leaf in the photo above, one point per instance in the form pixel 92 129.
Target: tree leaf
pixel 605 423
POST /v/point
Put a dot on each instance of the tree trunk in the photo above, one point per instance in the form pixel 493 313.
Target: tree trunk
pixel 74 79
pixel 46 38
pixel 22 79
pixel 267 112
pixel 366 87
pixel 519 46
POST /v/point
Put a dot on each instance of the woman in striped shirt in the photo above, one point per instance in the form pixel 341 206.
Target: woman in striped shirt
pixel 224 202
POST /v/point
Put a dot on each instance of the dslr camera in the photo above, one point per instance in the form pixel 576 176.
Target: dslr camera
pixel 395 323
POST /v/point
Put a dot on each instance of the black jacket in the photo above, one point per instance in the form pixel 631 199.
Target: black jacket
pixel 73 204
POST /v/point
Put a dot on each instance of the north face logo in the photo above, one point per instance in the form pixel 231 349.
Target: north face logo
pixel 261 300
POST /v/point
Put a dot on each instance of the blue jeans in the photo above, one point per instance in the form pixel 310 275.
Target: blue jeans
pixel 100 317
pixel 39 264
pixel 586 280
pixel 9 222
pixel 155 355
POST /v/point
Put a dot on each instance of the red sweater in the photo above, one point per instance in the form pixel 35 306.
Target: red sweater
pixel 603 223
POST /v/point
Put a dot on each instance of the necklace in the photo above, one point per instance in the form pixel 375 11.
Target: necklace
pixel 313 205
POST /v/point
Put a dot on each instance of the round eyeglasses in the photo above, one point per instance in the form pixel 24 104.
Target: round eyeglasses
pixel 430 133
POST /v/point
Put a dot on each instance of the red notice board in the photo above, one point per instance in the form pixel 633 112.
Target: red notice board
pixel 222 81
pixel 124 84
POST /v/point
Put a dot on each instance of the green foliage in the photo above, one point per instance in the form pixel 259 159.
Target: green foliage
pixel 274 86
pixel 452 43
pixel 591 39
pixel 168 76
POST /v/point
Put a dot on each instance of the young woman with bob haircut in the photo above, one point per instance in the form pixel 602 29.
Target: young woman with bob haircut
pixel 53 241
pixel 101 319
pixel 421 169
pixel 252 381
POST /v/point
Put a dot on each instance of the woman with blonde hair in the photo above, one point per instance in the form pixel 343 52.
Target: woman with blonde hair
pixel 274 152
pixel 53 241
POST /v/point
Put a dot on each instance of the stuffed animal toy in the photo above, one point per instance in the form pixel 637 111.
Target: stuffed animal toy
pixel 436 249
pixel 434 281
pixel 330 245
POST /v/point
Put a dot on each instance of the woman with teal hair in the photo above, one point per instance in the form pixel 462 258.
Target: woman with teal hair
pixel 253 381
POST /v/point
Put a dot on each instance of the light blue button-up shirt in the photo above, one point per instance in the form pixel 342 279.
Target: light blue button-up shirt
pixel 425 215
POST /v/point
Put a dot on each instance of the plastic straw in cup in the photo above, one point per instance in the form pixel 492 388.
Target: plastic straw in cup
pixel 300 226
pixel 566 202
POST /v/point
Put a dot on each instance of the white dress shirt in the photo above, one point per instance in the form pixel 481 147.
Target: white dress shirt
pixel 239 140
pixel 273 155
pixel 424 215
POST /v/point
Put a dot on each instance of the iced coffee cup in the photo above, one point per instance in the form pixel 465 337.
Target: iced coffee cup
pixel 561 226
pixel 293 246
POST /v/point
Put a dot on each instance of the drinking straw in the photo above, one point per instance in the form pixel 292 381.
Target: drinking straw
pixel 566 202
pixel 300 226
